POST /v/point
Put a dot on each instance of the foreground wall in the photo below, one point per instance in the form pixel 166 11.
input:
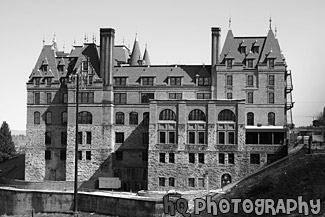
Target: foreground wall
pixel 18 202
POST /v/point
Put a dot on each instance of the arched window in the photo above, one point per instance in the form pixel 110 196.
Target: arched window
pixel 225 179
pixel 37 118
pixel 146 118
pixel 133 118
pixel 85 118
pixel 48 118
pixel 226 115
pixel 119 118
pixel 271 118
pixel 167 114
pixel 250 118
pixel 64 118
pixel 196 115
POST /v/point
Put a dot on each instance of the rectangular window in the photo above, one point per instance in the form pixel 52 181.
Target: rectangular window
pixel 231 137
pixel 85 65
pixel 119 137
pixel 44 68
pixel 271 63
pixel 162 181
pixel 255 158
pixel 175 95
pixel 229 95
pixel 255 49
pixel 63 155
pixel 191 182
pixel 79 155
pixel 37 81
pixel 271 98
pixel 64 82
pixel 37 98
pixel 162 157
pixel 64 98
pixel 148 81
pixel 250 63
pixel 203 81
pixel 86 97
pixel 47 155
pixel 271 80
pixel 88 137
pixel 250 80
pixel 171 157
pixel 203 96
pixel 229 80
pixel 229 63
pixel 162 137
pixel 145 138
pixel 171 138
pixel 119 155
pixel 191 158
pixel 201 137
pixel 201 158
pixel 88 155
pixel 201 182
pixel 221 137
pixel 79 137
pixel 231 158
pixel 120 81
pixel 221 158
pixel 171 181
pixel 120 98
pixel 63 138
pixel 175 81
pixel 48 98
pixel 47 138
pixel 145 97
pixel 48 81
pixel 191 137
pixel 250 98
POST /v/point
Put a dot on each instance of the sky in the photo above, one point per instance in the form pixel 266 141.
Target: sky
pixel 175 31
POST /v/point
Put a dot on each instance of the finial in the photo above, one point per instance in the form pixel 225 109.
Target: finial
pixel 54 37
pixel 63 46
pixel 43 41
pixel 230 23
pixel 136 36
pixel 146 45
pixel 74 41
pixel 85 38
pixel 123 41
pixel 270 22
pixel 276 30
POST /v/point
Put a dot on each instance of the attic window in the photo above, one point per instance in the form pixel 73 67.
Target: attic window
pixel 60 68
pixel 229 63
pixel 250 63
pixel 271 63
pixel 64 82
pixel 37 81
pixel 48 81
pixel 255 49
pixel 85 66
pixel 175 81
pixel 148 81
pixel 44 68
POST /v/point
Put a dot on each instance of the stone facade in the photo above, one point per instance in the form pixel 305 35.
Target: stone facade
pixel 156 127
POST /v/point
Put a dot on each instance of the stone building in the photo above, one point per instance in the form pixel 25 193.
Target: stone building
pixel 157 127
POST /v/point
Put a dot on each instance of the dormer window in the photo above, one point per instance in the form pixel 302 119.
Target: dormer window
pixel 242 49
pixel 229 63
pixel 147 81
pixel 85 66
pixel 44 68
pixel 203 81
pixel 60 68
pixel 250 63
pixel 255 49
pixel 37 81
pixel 271 63
pixel 48 81
pixel 90 80
pixel 175 81
pixel 120 81
pixel 64 82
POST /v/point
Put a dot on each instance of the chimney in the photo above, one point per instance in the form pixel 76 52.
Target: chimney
pixel 106 55
pixel 215 45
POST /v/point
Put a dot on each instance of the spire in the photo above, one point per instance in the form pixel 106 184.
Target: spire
pixel 275 31
pixel 146 59
pixel 43 41
pixel 54 44
pixel 136 54
pixel 229 22
pixel 270 22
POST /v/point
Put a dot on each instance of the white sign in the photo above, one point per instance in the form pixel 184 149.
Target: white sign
pixel 109 182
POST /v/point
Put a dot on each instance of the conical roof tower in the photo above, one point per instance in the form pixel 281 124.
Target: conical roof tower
pixel 146 59
pixel 136 54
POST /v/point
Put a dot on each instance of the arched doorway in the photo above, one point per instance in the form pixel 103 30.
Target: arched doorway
pixel 225 180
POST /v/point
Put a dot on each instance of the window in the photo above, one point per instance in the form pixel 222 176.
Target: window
pixel 171 181
pixel 201 158
pixel 226 115
pixel 119 155
pixel 203 81
pixel 133 118
pixel 64 82
pixel 201 182
pixel 48 118
pixel 37 118
pixel 201 137
pixel 145 156
pixel 250 98
pixel 120 81
pixel 44 68
pixel 48 81
pixel 85 118
pixel 271 118
pixel 196 115
pixel 250 80
pixel 255 49
pixel 162 181
pixel 250 119
pixel 84 65
pixel 47 155
pixel 221 158
pixel 64 98
pixel 162 157
pixel 255 158
pixel 145 138
pixel 271 80
pixel 167 114
pixel 120 98
pixel 242 49
pixel 37 98
pixel 119 118
pixel 175 95
pixel 148 81
pixel 229 95
pixel 37 81
pixel 171 137
pixel 191 182
pixel 229 80
pixel 88 155
pixel 229 63
pixel 119 137
pixel 221 137
pixel 250 63
pixel 191 158
pixel 191 138
pixel 86 97
pixel 79 137
pixel 231 158
pixel 64 118
pixel 146 118
pixel 60 68
pixel 63 138
pixel 271 97
pixel 145 97
pixel 271 63
pixel 231 138
pixel 88 137
pixel 175 81
pixel 203 96
pixel 171 157
pixel 79 155
pixel 63 155
pixel 47 138
pixel 90 80
pixel 162 137
pixel 48 98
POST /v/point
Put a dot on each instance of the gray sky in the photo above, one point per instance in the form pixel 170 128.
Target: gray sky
pixel 176 31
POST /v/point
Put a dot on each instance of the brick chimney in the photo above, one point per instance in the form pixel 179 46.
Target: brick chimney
pixel 215 45
pixel 107 36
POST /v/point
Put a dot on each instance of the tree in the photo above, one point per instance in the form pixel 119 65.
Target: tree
pixel 7 147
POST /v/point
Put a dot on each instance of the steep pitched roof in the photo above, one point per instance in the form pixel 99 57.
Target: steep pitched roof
pixel 271 43
pixel 146 59
pixel 136 54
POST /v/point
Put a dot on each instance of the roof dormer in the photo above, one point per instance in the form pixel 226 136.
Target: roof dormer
pixel 242 47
